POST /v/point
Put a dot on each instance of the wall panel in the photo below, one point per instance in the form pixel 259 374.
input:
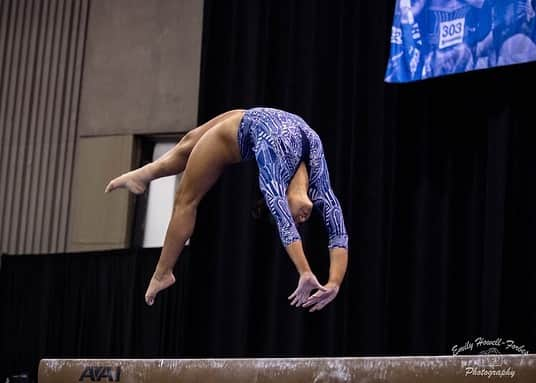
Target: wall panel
pixel 42 46
pixel 101 221
pixel 142 67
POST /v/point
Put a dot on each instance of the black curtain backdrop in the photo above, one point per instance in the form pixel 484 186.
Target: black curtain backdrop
pixel 435 179
pixel 436 182
pixel 86 305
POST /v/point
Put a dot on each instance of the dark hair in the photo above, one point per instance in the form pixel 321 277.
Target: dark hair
pixel 260 212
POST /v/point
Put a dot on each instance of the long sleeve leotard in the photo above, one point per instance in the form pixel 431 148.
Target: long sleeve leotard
pixel 277 140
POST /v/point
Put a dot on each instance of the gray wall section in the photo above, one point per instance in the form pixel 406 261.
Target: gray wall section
pixel 142 67
pixel 86 68
pixel 101 221
pixel 41 57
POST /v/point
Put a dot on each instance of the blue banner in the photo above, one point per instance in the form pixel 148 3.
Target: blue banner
pixel 433 38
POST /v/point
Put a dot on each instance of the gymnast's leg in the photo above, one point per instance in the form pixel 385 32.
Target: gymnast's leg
pixel 171 163
pixel 216 149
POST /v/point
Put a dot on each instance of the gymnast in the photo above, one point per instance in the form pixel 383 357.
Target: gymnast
pixel 293 177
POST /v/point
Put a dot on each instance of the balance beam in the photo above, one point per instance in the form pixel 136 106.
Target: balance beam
pixel 425 369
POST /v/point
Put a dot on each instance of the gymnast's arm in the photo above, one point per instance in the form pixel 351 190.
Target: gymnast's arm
pixel 297 255
pixel 338 262
pixel 274 194
pixel 324 199
pixel 326 202
pixel 338 239
pixel 274 190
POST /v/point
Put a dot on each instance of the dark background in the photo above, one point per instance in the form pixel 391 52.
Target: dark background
pixel 436 183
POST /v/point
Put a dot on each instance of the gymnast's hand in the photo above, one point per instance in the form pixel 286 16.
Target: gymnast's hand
pixel 306 284
pixel 322 297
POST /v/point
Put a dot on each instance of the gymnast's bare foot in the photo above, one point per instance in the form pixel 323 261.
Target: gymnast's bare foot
pixel 158 283
pixel 135 181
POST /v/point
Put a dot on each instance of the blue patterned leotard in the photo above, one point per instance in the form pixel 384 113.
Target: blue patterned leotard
pixel 277 140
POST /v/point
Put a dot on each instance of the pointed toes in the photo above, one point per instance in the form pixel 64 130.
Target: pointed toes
pixel 149 300
pixel 109 187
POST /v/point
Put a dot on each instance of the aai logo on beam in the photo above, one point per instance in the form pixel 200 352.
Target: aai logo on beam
pixel 98 373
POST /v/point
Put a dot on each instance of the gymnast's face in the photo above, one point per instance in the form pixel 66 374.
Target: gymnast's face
pixel 300 209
